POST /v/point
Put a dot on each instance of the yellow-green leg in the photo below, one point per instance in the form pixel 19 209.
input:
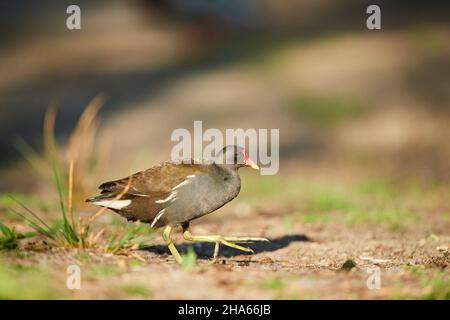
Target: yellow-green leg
pixel 217 240
pixel 172 248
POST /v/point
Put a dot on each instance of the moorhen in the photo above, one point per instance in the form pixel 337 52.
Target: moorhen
pixel 176 192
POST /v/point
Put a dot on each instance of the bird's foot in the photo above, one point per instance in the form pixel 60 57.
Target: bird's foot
pixel 226 241
pixel 216 239
pixel 170 245
pixel 245 239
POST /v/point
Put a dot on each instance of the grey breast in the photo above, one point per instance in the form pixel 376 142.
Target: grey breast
pixel 202 193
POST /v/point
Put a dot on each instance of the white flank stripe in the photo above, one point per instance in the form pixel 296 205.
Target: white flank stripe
pixel 158 216
pixel 185 182
pixel 113 204
pixel 170 197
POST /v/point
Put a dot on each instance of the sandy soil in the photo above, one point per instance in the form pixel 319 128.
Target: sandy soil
pixel 312 260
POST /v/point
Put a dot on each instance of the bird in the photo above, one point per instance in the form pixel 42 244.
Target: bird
pixel 175 192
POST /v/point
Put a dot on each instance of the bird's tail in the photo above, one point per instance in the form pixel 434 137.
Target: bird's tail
pixel 100 197
pixel 108 200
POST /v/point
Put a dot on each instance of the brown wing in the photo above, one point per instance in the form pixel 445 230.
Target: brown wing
pixel 199 194
pixel 146 188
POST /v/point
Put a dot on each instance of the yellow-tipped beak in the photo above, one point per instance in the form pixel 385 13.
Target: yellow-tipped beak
pixel 251 164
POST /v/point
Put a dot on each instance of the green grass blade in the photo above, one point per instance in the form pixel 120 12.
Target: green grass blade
pixel 30 211
pixel 60 193
pixel 68 230
pixel 48 233
pixel 33 158
pixel 7 232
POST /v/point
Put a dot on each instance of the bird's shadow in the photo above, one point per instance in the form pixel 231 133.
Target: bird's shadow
pixel 205 250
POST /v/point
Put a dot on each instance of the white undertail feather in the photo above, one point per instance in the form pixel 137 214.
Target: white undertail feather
pixel 113 204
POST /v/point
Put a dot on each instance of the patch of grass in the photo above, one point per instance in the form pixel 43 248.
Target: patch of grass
pixel 273 188
pixel 264 186
pixel 391 191
pixel 136 264
pixel 436 284
pixel 84 257
pixel 439 287
pixel 326 110
pixel 394 217
pixel 433 237
pixel 105 270
pixel 189 259
pixel 272 283
pixel 21 282
pixel 328 200
pixel 51 165
pixel 9 237
pixel 69 233
pixel 22 267
pixel 397 226
pixel 329 204
pixel 131 237
pixel 64 232
pixel 379 188
pixel 430 238
pixel 137 290
pixel 417 269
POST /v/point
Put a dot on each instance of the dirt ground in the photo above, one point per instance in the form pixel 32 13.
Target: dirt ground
pixel 326 255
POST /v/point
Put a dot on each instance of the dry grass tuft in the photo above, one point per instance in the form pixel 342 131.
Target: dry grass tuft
pixel 80 150
pixel 74 231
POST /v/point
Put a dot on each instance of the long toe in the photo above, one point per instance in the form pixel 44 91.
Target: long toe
pixel 245 239
pixel 233 245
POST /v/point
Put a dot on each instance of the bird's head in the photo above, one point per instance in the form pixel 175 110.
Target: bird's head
pixel 236 156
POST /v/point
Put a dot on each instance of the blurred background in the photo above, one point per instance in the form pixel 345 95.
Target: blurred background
pixel 342 96
pixel 364 143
